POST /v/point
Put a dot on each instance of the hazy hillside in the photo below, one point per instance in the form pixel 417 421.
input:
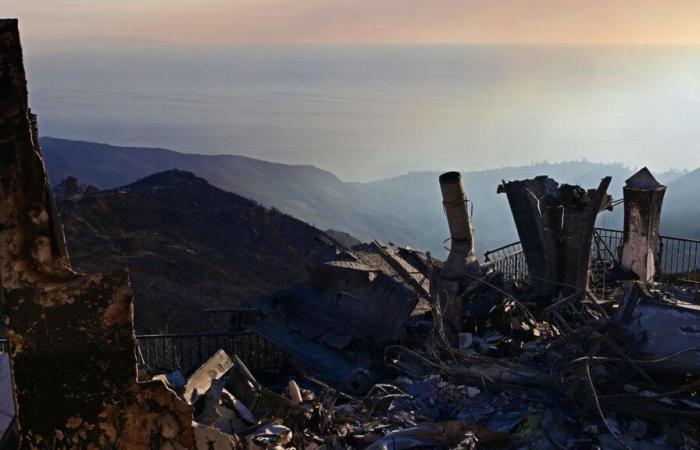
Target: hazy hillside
pixel 681 210
pixel 406 209
pixel 188 246
pixel 306 192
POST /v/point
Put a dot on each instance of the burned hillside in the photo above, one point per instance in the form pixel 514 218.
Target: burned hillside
pixel 188 246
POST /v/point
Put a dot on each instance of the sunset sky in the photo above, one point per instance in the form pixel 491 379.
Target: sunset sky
pixel 188 75
pixel 363 21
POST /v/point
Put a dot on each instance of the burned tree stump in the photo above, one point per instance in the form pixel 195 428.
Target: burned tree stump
pixel 71 335
pixel 555 224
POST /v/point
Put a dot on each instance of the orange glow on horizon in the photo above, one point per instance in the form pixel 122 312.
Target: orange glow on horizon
pixel 365 21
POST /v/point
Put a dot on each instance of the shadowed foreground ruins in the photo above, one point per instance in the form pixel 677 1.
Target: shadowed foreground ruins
pixel 384 347
pixel 72 339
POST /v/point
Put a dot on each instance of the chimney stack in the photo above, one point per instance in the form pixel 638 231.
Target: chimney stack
pixel 641 246
pixel 461 260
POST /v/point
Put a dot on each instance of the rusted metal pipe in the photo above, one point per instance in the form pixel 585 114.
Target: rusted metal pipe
pixel 461 259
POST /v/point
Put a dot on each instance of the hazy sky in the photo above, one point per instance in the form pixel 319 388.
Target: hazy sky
pixel 189 75
pixel 295 21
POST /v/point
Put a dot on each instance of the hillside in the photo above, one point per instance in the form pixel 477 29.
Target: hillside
pixel 306 192
pixel 188 245
pixel 406 210
pixel 681 210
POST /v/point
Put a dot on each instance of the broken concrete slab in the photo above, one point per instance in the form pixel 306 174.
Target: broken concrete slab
pixel 555 224
pixel 641 248
pixel 664 331
pixel 201 380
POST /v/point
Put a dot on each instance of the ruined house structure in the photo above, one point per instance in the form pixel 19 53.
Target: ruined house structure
pixel 456 331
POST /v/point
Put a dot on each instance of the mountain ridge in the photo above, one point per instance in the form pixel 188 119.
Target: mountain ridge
pixel 405 209
pixel 188 245
pixel 295 190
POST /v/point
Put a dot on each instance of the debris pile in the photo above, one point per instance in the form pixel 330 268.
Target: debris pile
pixel 544 365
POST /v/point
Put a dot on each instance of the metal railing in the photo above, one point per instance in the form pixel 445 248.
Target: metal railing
pixel 186 352
pixel 679 257
pixel 509 260
pixel 605 244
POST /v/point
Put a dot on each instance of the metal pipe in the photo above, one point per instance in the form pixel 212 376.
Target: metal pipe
pixel 461 259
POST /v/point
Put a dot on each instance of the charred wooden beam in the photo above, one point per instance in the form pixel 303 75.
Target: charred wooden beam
pixel 641 247
pixel 71 335
pixel 555 224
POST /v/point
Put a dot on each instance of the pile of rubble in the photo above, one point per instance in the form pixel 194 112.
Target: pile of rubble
pixel 392 349
pixel 575 390
pixel 388 347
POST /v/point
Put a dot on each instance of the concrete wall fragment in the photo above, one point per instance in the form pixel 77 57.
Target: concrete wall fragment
pixel 641 247
pixel 71 335
pixel 555 224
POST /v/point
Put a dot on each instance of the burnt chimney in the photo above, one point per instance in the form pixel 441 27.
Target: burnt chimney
pixel 461 259
pixel 641 245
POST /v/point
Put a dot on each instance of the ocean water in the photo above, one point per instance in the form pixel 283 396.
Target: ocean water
pixel 374 111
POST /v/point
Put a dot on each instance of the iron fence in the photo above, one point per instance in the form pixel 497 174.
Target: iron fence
pixel 679 257
pixel 605 244
pixel 509 260
pixel 186 352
